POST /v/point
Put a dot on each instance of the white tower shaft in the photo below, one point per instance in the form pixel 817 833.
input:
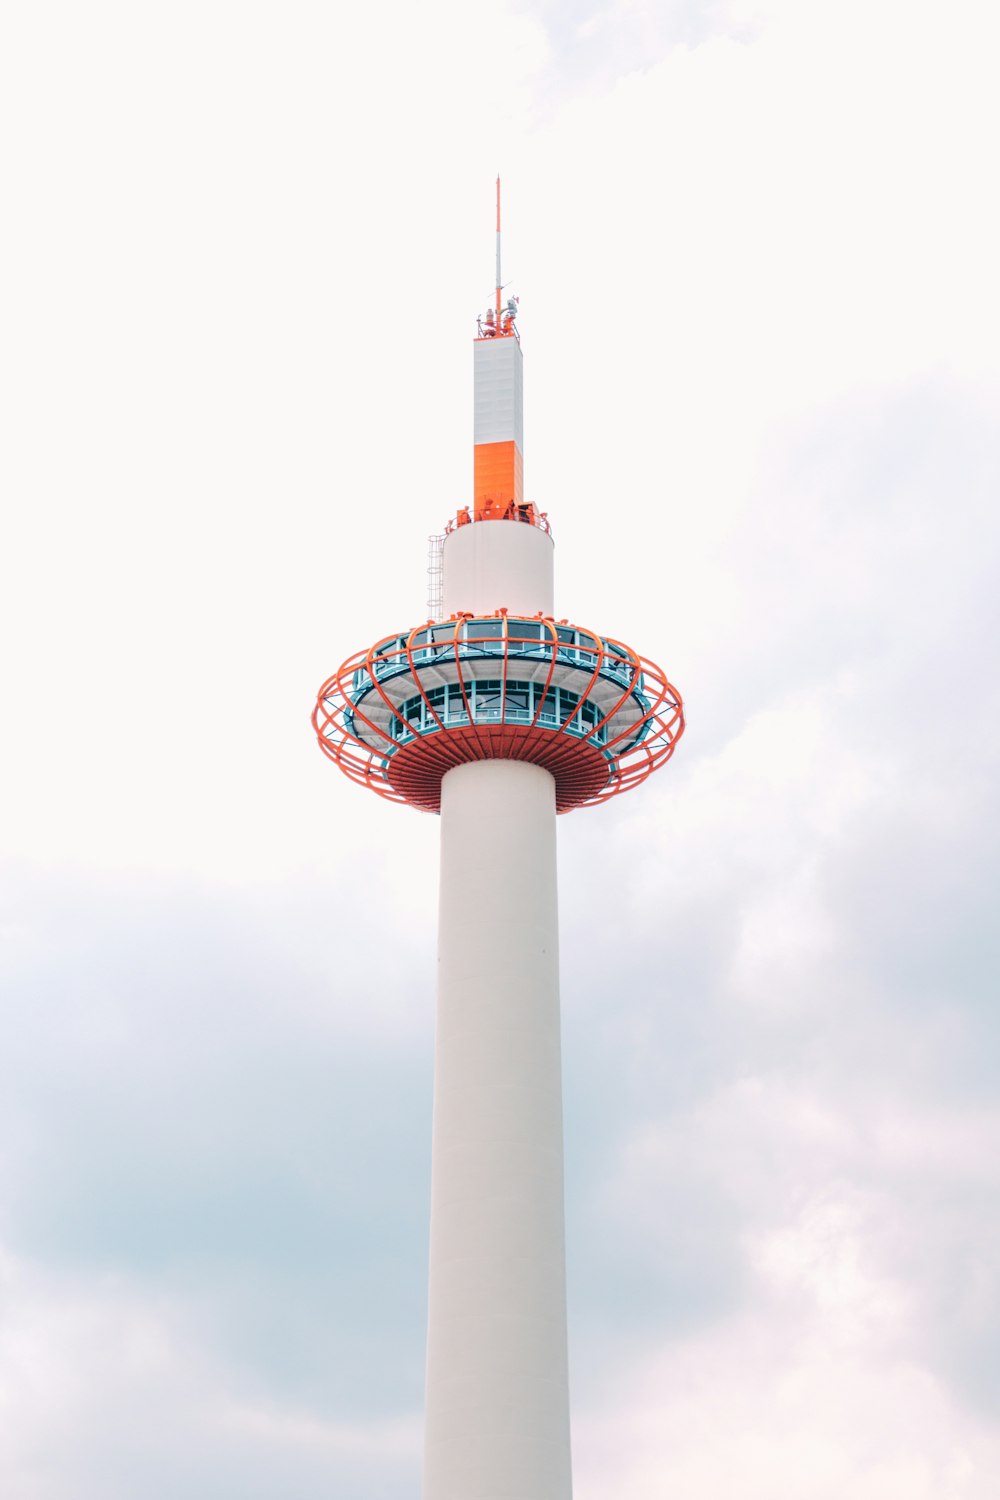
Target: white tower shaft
pixel 497 1382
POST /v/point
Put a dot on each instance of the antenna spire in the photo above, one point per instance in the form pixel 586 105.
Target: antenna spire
pixel 498 322
pixel 498 252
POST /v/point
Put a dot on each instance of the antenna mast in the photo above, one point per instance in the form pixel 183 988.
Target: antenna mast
pixel 498 254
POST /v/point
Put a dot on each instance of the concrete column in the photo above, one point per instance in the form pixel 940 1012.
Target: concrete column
pixel 492 565
pixel 497 1384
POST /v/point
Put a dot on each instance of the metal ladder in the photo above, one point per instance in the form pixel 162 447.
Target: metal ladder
pixel 435 576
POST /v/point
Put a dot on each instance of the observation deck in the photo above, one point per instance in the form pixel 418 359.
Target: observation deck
pixel 595 714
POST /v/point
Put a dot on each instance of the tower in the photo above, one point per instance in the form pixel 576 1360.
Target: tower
pixel 498 716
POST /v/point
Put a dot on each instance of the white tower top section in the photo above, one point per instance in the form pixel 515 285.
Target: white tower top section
pixel 498 366
pixel 498 566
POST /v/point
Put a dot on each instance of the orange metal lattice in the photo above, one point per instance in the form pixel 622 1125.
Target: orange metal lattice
pixel 584 772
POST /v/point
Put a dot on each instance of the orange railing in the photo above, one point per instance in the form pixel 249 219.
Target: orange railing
pixel 500 510
pixel 361 725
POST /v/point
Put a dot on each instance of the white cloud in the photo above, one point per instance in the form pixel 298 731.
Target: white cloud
pixel 831 1373
pixel 106 1390
pixel 778 1412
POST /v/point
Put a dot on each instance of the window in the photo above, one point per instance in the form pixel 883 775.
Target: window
pixel 550 707
pixel 490 701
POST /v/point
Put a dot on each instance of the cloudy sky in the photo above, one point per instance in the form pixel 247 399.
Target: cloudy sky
pixel 756 245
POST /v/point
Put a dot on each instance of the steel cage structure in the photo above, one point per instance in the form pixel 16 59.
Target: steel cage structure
pixel 589 709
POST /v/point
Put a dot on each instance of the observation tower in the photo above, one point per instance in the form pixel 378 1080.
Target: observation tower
pixel 498 716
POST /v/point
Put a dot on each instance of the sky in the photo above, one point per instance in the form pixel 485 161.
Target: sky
pixel 755 243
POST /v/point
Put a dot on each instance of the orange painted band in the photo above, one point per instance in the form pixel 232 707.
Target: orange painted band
pixel 498 474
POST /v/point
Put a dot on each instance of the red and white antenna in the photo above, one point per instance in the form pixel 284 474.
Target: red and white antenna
pixel 499 282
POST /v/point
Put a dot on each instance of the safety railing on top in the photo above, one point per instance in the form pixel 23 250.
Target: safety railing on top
pixel 526 513
pixel 500 635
